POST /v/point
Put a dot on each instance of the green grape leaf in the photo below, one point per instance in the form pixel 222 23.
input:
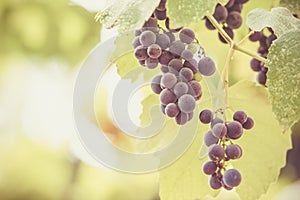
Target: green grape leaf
pixel 128 14
pixel 293 5
pixel 284 78
pixel 183 12
pixel 264 150
pixel 279 19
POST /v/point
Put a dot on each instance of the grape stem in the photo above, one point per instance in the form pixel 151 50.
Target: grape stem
pixel 232 44
pixel 226 76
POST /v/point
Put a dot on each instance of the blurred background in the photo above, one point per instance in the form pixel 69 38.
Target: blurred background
pixel 42 44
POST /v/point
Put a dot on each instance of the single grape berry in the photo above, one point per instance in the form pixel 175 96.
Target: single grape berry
pixel 186 74
pixel 141 53
pixel 177 47
pixel 206 116
pixel 206 66
pixel 233 151
pixel 210 139
pixel 216 121
pixel 262 78
pixel 187 35
pixel 192 64
pixel 195 89
pixel 229 32
pixel 154 51
pixel 180 89
pixel 151 63
pixel 165 57
pixel 219 130
pixel 232 177
pixel 147 38
pixel 234 20
pixel 168 80
pixel 216 152
pixel 240 116
pixel 234 130
pixel 163 41
pixel 167 96
pixel 209 25
pixel 249 123
pixel 256 36
pixel 175 64
pixel 172 110
pixel 187 54
pixel 209 167
pixel 155 84
pixel 186 103
pixel 160 14
pixel 220 13
pixel 136 42
pixel 164 68
pixel 214 182
pixel 182 118
pixel 255 65
pixel 162 5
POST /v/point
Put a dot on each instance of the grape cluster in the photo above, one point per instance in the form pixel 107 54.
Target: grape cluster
pixel 221 149
pixel 229 16
pixel 179 56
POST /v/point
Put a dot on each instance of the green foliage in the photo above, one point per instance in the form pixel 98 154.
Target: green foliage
pixel 279 19
pixel 183 12
pixel 284 78
pixel 184 179
pixel 128 14
pixel 293 5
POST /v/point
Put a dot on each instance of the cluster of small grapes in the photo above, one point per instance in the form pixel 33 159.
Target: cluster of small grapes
pixel 176 51
pixel 221 148
pixel 265 42
pixel 229 16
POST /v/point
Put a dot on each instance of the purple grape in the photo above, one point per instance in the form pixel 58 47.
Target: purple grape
pixel 234 130
pixel 187 54
pixel 165 57
pixel 186 103
pixel 186 74
pixel 234 20
pixel 175 64
pixel 150 25
pixel 192 64
pixel 162 5
pixel 220 13
pixel 216 121
pixel 210 139
pixel 160 14
pixel 171 36
pixel 136 42
pixel 190 116
pixel 232 177
pixel 248 124
pixel 155 84
pixel 255 65
pixel 181 118
pixel 262 78
pixel 187 35
pixel 141 53
pixel 164 68
pixel 147 38
pixel 168 80
pixel 219 130
pixel 216 152
pixel 137 32
pixel 215 182
pixel 180 89
pixel 172 110
pixel 209 25
pixel 167 96
pixel 256 36
pixel 154 51
pixel 206 66
pixel 205 116
pixel 163 41
pixel 209 167
pixel 177 47
pixel 151 63
pixel 236 7
pixel 270 39
pixel 195 89
pixel 233 151
pixel 229 4
pixel 229 32
pixel 240 116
